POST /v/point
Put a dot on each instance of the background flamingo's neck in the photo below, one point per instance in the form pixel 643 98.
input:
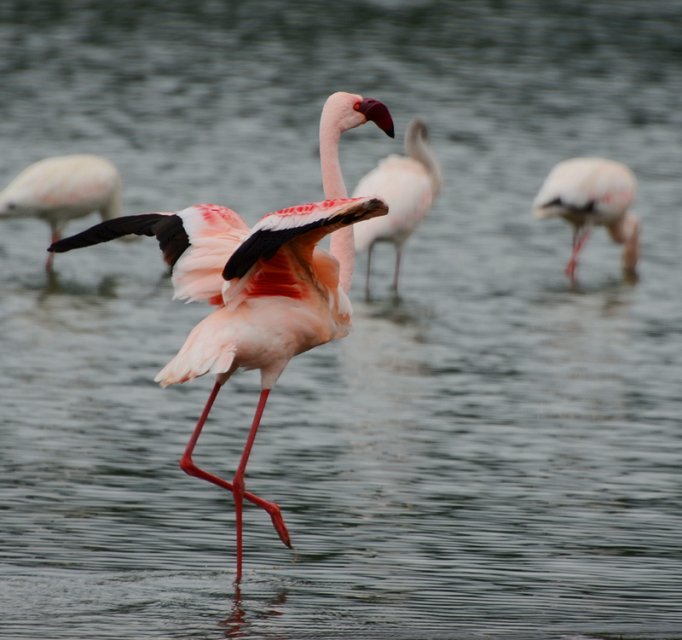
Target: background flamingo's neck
pixel 626 232
pixel 342 241
pixel 418 148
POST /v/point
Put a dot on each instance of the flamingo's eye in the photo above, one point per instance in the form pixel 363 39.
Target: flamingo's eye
pixel 356 106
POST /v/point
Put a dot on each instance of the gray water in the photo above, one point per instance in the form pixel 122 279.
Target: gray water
pixel 494 455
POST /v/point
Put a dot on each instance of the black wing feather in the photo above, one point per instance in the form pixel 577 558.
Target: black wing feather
pixel 588 207
pixel 265 243
pixel 168 229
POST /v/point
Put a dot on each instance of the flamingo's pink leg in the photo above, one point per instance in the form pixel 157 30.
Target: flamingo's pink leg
pixel 579 239
pixel 56 237
pixel 188 466
pixel 238 481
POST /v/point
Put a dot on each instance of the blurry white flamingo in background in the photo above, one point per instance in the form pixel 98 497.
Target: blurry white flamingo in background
pixel 408 184
pixel 588 192
pixel 63 188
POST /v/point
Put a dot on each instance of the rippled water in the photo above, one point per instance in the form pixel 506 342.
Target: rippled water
pixel 494 456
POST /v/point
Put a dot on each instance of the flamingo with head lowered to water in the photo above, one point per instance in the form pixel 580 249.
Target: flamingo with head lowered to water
pixel 590 192
pixel 63 188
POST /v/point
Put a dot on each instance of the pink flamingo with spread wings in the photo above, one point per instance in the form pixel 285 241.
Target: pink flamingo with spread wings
pixel 277 294
pixel 408 184
pixel 588 192
pixel 63 188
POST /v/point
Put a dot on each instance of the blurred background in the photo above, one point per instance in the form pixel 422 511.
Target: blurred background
pixel 496 454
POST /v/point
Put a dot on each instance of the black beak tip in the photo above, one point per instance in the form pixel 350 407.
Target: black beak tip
pixel 378 113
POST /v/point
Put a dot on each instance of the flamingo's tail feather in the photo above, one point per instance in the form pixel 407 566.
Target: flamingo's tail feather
pixel 206 350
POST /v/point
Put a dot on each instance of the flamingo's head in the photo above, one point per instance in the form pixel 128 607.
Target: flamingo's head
pixel 15 203
pixel 350 110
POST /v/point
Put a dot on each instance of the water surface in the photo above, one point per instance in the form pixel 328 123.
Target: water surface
pixel 495 455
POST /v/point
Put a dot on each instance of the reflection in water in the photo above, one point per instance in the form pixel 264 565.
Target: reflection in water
pixel 399 311
pixel 589 285
pixel 55 285
pixel 238 623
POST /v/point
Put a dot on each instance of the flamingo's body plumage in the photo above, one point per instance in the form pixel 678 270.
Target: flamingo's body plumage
pixel 277 294
pixel 409 185
pixel 591 192
pixel 273 309
pixel 63 188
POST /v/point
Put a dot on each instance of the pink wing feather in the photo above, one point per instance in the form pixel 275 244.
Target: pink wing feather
pixel 276 259
pixel 214 233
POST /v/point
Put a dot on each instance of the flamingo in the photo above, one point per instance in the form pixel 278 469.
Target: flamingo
pixel 588 192
pixel 63 188
pixel 408 184
pixel 277 294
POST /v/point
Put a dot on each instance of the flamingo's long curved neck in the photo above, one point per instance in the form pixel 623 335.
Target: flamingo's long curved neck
pixel 417 147
pixel 626 232
pixel 342 242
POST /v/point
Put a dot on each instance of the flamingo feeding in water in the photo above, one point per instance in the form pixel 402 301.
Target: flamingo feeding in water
pixel 277 294
pixel 588 192
pixel 409 185
pixel 61 189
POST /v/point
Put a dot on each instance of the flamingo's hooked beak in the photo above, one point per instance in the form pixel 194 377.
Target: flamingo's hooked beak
pixel 378 113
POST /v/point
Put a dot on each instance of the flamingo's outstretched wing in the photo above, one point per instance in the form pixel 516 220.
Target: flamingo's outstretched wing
pixel 195 243
pixel 172 239
pixel 214 233
pixel 277 256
